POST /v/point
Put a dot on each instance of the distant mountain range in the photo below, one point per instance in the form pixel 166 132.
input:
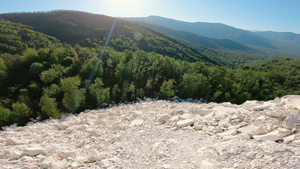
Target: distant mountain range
pixel 212 30
pixel 288 37
pixel 217 35
pixel 198 39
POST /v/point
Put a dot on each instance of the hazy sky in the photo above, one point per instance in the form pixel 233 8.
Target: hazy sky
pixel 276 15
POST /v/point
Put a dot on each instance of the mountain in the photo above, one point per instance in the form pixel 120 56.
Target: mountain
pixel 88 29
pixel 198 39
pixel 212 30
pixel 287 37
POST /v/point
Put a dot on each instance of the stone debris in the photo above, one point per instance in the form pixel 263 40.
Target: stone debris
pixel 161 134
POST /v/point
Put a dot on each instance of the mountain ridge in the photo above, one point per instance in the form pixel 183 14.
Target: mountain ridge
pixel 213 30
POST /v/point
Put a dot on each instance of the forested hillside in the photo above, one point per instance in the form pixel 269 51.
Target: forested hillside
pixel 91 30
pixel 42 77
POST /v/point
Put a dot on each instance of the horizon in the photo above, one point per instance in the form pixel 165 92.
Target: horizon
pixel 266 15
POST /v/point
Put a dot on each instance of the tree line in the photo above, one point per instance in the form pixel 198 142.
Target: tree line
pixel 56 80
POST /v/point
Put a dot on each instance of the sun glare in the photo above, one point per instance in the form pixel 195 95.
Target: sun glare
pixel 126 7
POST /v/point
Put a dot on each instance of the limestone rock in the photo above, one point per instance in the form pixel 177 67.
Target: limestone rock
pixel 292 120
pixel 184 123
pixel 104 163
pixel 34 150
pixel 93 156
pixel 164 118
pixel 228 133
pixel 273 136
pixel 252 130
pixel 289 139
pixel 14 155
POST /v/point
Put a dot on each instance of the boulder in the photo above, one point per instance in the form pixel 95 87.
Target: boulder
pixel 34 150
pixel 12 141
pixel 184 123
pixel 93 156
pixel 136 122
pixel 164 118
pixel 228 133
pixel 289 139
pixel 273 136
pixel 284 132
pixel 259 108
pixel 252 130
pixel 71 154
pixel 202 112
pixel 292 120
pixel 104 163
pixel 14 155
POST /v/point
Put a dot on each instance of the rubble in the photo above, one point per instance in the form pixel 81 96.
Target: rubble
pixel 161 134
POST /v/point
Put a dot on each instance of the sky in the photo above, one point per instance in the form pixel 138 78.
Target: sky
pixel 256 15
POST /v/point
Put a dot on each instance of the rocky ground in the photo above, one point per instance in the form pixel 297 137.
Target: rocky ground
pixel 162 134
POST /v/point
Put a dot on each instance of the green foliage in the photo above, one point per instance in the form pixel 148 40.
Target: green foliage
pixel 49 76
pixel 8 117
pixel 49 107
pixel 73 96
pixel 35 69
pixel 167 89
pixel 99 95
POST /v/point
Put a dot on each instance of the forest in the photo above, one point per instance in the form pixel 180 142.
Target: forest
pixel 42 77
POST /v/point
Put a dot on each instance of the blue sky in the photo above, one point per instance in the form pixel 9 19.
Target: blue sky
pixel 275 15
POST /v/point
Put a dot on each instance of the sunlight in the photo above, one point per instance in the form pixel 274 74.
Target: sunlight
pixel 125 7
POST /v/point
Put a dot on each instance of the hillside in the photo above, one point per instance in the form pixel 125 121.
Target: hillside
pixel 16 38
pixel 162 134
pixel 91 30
pixel 212 30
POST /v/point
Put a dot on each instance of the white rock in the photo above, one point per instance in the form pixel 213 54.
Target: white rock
pixel 294 102
pixel 297 142
pixel 263 107
pixel 273 136
pixel 12 141
pixel 34 150
pixel 14 155
pixel 186 116
pixel 136 122
pixel 74 165
pixel 252 130
pixel 164 118
pixel 104 163
pixel 244 136
pixel 166 166
pixel 228 133
pixel 47 162
pixel 289 139
pixel 274 114
pixel 292 120
pixel 184 123
pixel 284 132
pixel 93 156
pixel 71 154
pixel 202 112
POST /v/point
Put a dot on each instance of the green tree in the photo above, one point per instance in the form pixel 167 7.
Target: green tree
pixel 35 69
pixel 73 96
pixel 98 93
pixel 50 76
pixel 7 117
pixel 49 107
pixel 23 111
pixel 167 89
